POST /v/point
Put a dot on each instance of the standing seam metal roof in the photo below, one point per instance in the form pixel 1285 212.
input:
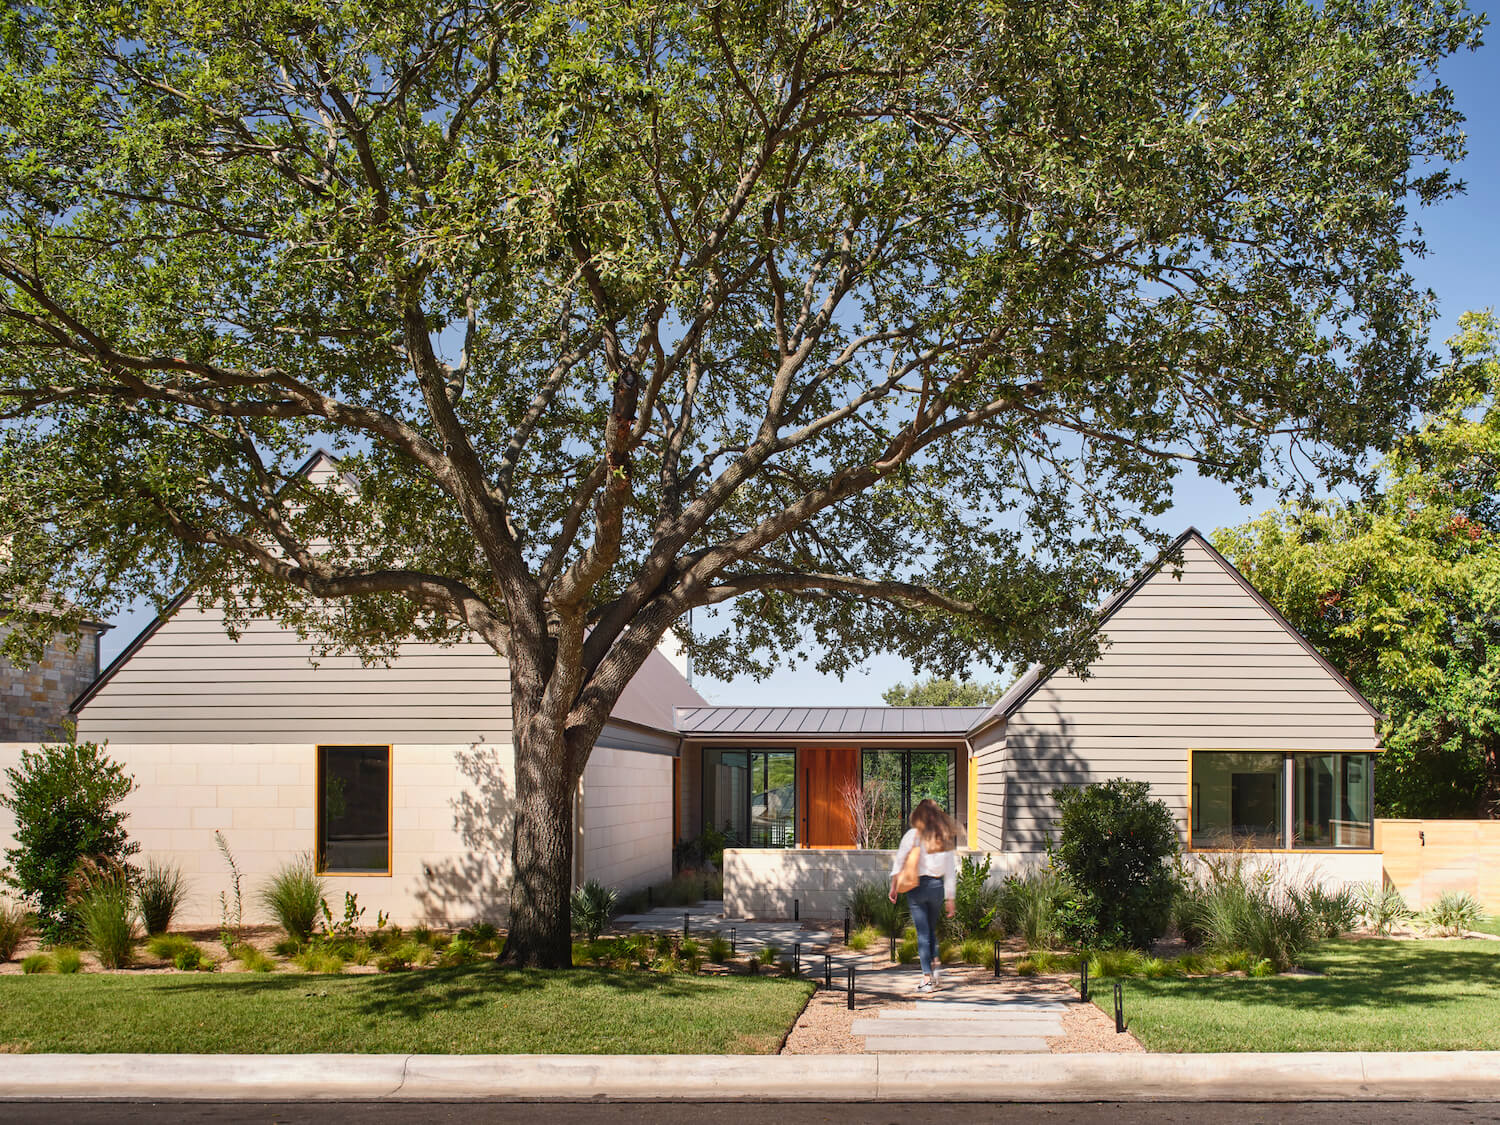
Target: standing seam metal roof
pixel 825 722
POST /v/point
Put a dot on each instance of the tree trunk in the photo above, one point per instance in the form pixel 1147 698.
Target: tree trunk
pixel 540 934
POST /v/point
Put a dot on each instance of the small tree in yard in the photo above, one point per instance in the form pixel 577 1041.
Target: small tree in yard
pixel 63 798
pixel 614 311
pixel 1115 843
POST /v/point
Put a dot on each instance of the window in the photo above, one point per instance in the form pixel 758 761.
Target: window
pixel 1274 799
pixel 897 780
pixel 751 796
pixel 354 810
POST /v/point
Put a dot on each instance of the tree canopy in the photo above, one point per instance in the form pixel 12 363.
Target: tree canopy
pixel 611 311
pixel 1402 591
pixel 938 692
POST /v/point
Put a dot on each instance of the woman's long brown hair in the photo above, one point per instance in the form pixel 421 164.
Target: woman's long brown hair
pixel 938 830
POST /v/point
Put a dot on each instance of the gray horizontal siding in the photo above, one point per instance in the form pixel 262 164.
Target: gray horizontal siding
pixel 188 682
pixel 1190 664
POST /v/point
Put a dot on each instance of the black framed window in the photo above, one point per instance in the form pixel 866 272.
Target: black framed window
pixel 897 780
pixel 751 796
pixel 354 810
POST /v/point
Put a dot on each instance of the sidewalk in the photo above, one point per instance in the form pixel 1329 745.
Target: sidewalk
pixel 1463 1075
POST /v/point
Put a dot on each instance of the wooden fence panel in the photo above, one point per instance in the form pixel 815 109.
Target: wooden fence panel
pixel 1424 858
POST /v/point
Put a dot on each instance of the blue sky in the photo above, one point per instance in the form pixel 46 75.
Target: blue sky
pixel 1462 265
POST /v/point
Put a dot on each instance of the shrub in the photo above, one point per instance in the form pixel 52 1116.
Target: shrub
pixel 1383 908
pixel 977 951
pixel 317 960
pixel 718 949
pixel 423 935
pixel 976 904
pixel 288 947
pixel 460 951
pixel 36 963
pixel 906 948
pixel 1115 841
pixel 193 959
pixel 15 928
pixel 63 799
pixel 1453 913
pixel 105 908
pixel 1032 905
pixel 295 897
pixel 167 946
pixel 251 959
pixel 768 954
pixel 864 937
pixel 870 905
pixel 593 905
pixel 690 953
pixel 68 959
pixel 1333 913
pixel 402 957
pixel 161 891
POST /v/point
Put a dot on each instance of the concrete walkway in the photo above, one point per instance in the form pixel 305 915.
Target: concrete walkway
pixel 1467 1075
pixel 965 1020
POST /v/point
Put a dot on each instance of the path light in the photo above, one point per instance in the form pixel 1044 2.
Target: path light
pixel 796 910
pixel 796 958
pixel 684 925
pixel 893 948
pixel 1083 984
pixel 1119 1008
pixel 846 925
pixel 732 950
pixel 827 970
pixel 996 952
pixel 851 988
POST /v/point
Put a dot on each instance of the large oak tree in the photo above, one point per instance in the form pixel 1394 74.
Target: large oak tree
pixel 880 325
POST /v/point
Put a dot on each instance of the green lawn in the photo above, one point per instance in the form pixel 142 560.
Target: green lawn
pixel 1489 926
pixel 1374 996
pixel 475 1009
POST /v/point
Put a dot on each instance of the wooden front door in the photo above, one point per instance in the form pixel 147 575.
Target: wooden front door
pixel 826 771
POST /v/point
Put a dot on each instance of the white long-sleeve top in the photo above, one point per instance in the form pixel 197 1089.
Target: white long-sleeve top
pixel 931 863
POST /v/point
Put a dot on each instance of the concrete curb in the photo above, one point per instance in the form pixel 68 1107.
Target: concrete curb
pixel 1313 1076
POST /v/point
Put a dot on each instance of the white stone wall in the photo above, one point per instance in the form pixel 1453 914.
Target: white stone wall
pixel 627 818
pixel 763 882
pixel 450 828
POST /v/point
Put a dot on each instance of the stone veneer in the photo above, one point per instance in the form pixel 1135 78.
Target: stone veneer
pixel 34 701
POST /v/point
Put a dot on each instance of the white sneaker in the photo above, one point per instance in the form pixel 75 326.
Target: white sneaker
pixel 937 979
pixel 926 985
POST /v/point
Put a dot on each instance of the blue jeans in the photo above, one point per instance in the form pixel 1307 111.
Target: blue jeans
pixel 925 901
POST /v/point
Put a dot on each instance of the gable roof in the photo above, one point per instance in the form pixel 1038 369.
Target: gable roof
pixel 647 701
pixel 825 722
pixel 1027 685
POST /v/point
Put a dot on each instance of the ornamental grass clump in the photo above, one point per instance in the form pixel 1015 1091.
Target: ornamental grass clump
pixel 103 901
pixel 1032 904
pixel 1383 908
pixel 68 960
pixel 36 963
pixel 1453 913
pixel 15 928
pixel 159 895
pixel 1237 909
pixel 870 905
pixel 295 897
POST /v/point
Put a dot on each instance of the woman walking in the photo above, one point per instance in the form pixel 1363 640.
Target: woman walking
pixel 925 870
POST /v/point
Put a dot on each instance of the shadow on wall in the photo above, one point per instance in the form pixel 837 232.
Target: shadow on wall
pixel 473 887
pixel 1037 761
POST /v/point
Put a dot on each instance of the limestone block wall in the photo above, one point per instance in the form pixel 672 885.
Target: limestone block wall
pixel 1330 870
pixel 627 818
pixel 450 824
pixel 34 701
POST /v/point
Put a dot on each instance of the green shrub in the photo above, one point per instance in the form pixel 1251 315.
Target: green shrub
pixel 194 959
pixel 870 905
pixel 68 959
pixel 15 928
pixel 251 959
pixel 1382 908
pixel 690 953
pixel 906 948
pixel 1032 905
pixel 422 935
pixel 718 949
pixel 36 963
pixel 484 935
pixel 977 951
pixel 166 947
pixel 159 895
pixel 865 937
pixel 1453 913
pixel 295 897
pixel 402 957
pixel 1115 844
pixel 63 798
pixel 105 908
pixel 1333 912
pixel 1045 961
pixel 593 905
pixel 315 959
pixel 288 947
pixel 460 951
pixel 976 904
pixel 768 954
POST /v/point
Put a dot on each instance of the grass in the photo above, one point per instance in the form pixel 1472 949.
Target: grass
pixel 1374 995
pixel 1489 926
pixel 471 1009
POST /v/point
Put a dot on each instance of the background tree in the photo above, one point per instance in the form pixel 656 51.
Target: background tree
pixel 63 799
pixel 611 311
pixel 937 691
pixel 1402 592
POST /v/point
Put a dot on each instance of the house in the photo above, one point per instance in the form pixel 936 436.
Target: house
pixel 397 778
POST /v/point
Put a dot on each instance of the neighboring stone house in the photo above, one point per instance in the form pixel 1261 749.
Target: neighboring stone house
pixel 35 701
